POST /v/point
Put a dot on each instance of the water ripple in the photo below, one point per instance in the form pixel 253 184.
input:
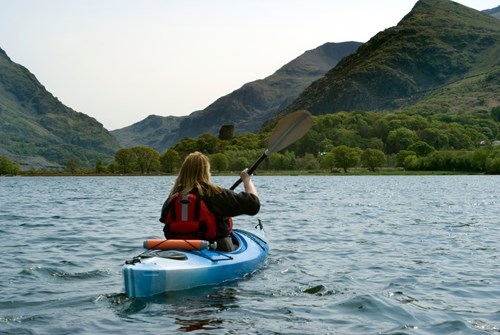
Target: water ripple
pixel 349 255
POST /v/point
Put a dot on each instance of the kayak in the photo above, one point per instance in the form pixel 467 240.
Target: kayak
pixel 159 271
pixel 184 264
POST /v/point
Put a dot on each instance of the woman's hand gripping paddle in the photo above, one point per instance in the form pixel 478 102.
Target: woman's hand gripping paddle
pixel 288 130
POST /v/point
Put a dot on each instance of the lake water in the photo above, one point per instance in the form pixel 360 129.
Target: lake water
pixel 349 255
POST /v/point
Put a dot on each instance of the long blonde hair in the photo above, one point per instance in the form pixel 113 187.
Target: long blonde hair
pixel 195 174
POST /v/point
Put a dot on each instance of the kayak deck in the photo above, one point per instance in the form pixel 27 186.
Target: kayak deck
pixel 173 270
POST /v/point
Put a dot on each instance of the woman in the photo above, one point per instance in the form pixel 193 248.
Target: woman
pixel 200 209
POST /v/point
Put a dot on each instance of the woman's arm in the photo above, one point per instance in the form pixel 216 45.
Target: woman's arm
pixel 248 183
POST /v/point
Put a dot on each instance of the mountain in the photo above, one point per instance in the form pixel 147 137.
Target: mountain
pixel 441 55
pixel 247 107
pixel 495 12
pixel 38 131
pixel 154 131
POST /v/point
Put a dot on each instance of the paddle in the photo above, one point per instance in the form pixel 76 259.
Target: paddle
pixel 288 130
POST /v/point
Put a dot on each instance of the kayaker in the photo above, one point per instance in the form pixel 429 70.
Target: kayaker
pixel 199 209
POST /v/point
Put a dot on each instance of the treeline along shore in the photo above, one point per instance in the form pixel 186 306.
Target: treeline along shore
pixel 344 142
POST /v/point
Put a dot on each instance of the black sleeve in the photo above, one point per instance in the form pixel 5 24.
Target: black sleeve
pixel 164 210
pixel 230 203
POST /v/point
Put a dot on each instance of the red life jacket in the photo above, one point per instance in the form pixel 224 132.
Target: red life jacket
pixel 189 217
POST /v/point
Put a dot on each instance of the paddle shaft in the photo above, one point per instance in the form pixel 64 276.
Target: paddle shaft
pixel 288 130
pixel 251 170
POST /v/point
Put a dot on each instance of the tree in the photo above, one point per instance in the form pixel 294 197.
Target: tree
pixel 495 113
pixel 434 137
pixel 72 164
pixel 219 162
pixel 240 159
pixel 7 167
pixel 240 163
pixel 346 137
pixel 438 161
pixel 493 162
pixel 125 159
pixel 327 161
pixel 186 146
pixel 493 165
pixel 400 139
pixel 309 143
pixel 170 161
pixel 306 162
pixel 401 156
pixel 411 162
pixel 381 128
pixel 281 161
pixel 113 167
pixel 479 158
pixel 373 159
pixel 373 143
pixel 462 161
pixel 208 144
pixel 346 157
pixel 247 141
pixel 276 161
pixel 421 148
pixel 458 137
pixel 147 159
pixel 325 145
pixel 99 166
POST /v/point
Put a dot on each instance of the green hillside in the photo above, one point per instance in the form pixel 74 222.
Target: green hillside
pixel 441 55
pixel 38 131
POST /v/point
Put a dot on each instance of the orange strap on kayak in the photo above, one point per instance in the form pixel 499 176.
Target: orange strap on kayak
pixel 177 245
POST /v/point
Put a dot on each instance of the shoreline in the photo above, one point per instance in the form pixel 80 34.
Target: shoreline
pixel 352 172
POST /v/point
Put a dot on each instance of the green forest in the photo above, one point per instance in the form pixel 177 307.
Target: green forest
pixel 343 142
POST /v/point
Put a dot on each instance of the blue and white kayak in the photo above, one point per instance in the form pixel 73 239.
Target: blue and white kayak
pixel 157 271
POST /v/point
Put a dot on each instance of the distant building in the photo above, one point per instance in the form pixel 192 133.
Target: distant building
pixel 493 144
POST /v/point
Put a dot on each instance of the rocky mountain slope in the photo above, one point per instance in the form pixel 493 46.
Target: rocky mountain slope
pixel 495 12
pixel 38 131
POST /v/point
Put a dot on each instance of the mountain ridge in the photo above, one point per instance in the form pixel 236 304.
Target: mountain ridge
pixel 247 107
pixel 38 131
pixel 495 12
pixel 399 65
pixel 442 57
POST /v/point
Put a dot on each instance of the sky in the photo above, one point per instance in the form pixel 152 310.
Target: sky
pixel 119 61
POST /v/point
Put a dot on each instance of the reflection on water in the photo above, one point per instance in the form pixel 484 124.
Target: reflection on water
pixel 193 309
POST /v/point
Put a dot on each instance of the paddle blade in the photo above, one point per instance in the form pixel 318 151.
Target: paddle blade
pixel 290 129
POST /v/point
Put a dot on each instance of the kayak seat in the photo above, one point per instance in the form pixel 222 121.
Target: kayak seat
pixel 236 242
